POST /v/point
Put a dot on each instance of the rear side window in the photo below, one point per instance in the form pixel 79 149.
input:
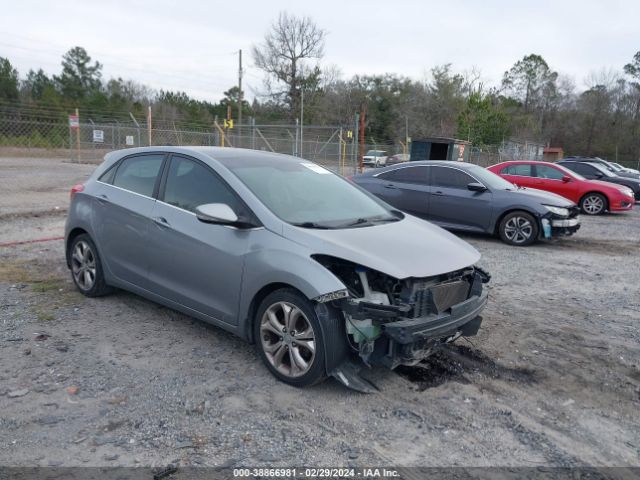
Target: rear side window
pixel 419 175
pixel 581 168
pixel 138 174
pixel 522 170
pixel 107 177
pixel 450 178
pixel 190 184
pixel 550 173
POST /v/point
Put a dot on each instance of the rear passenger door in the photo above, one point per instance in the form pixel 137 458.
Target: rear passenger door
pixel 453 205
pixel 406 188
pixel 124 201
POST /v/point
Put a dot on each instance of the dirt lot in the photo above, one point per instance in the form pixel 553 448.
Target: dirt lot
pixel 553 379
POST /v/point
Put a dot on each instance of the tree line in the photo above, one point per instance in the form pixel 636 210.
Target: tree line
pixel 532 102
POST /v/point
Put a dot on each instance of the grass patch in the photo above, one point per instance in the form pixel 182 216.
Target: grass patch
pixel 14 272
pixel 45 315
pixel 47 285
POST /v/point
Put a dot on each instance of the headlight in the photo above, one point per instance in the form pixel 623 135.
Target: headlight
pixel 627 191
pixel 563 212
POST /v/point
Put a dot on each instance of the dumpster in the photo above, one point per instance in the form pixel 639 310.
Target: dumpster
pixel 440 148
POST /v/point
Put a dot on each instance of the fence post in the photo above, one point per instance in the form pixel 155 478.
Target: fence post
pixel 78 135
pixel 149 123
pixel 253 133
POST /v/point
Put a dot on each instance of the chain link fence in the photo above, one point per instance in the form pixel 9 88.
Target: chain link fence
pixel 90 141
pixel 327 145
pixel 507 150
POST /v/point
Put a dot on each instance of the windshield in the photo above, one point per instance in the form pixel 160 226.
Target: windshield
pixel 603 169
pixel 568 172
pixel 375 153
pixel 491 180
pixel 305 194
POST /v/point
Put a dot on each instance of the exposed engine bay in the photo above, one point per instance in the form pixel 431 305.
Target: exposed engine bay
pixel 392 322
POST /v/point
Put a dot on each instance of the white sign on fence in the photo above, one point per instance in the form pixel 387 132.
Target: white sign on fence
pixel 98 136
pixel 129 140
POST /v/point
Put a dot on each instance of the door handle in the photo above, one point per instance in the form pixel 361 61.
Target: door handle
pixel 102 198
pixel 438 192
pixel 161 221
pixel 389 185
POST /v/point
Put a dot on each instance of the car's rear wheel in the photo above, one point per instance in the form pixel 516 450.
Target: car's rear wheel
pixel 289 338
pixel 593 204
pixel 518 228
pixel 86 268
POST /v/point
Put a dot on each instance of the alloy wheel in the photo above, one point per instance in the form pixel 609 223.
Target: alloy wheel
pixel 518 229
pixel 593 205
pixel 288 339
pixel 83 265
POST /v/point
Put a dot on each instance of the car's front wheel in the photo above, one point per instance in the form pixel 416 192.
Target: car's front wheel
pixel 289 338
pixel 86 268
pixel 518 228
pixel 593 204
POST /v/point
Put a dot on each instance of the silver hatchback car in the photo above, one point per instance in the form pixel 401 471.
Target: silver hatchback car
pixel 318 273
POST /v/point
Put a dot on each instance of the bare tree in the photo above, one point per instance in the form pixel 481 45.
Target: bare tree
pixel 285 57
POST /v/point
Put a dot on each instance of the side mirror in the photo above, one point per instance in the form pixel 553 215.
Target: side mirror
pixel 218 213
pixel 566 179
pixel 476 187
pixel 599 174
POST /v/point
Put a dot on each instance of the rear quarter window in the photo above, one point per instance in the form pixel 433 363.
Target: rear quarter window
pixel 138 174
pixel 523 170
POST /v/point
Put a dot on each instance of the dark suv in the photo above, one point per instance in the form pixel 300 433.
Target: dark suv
pixel 597 171
pixel 608 165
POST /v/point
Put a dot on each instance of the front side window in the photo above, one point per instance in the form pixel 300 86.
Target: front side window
pixel 191 184
pixel 449 178
pixel 550 173
pixel 522 170
pixel 138 174
pixel 419 175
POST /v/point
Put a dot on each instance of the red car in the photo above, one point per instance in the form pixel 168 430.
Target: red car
pixel 593 196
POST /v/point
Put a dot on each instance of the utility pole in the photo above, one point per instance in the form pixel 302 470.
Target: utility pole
pixel 239 88
pixel 301 121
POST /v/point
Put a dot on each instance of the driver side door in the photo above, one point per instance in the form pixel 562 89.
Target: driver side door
pixel 453 205
pixel 198 265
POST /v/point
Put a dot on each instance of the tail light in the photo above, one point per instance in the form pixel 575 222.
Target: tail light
pixel 76 188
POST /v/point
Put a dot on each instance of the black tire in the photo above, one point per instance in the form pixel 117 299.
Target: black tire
pixel 265 339
pixel 518 228
pixel 98 287
pixel 593 204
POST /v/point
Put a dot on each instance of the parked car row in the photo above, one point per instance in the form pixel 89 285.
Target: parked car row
pixel 593 196
pixel 465 197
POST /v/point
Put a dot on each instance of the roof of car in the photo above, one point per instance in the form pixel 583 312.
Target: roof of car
pixel 415 163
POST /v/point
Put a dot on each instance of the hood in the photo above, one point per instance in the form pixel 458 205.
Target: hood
pixel 628 174
pixel 601 183
pixel 410 247
pixel 542 196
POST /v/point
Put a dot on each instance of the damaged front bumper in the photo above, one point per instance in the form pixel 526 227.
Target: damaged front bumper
pixel 429 314
pixel 555 225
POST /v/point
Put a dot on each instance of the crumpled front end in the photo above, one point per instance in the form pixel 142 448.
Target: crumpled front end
pixel 391 322
pixel 554 225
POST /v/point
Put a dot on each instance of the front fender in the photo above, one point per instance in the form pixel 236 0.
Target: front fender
pixel 293 267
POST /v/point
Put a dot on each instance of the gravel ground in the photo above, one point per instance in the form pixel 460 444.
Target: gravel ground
pixel 552 379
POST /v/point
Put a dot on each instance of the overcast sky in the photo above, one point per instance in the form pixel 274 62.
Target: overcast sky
pixel 192 45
